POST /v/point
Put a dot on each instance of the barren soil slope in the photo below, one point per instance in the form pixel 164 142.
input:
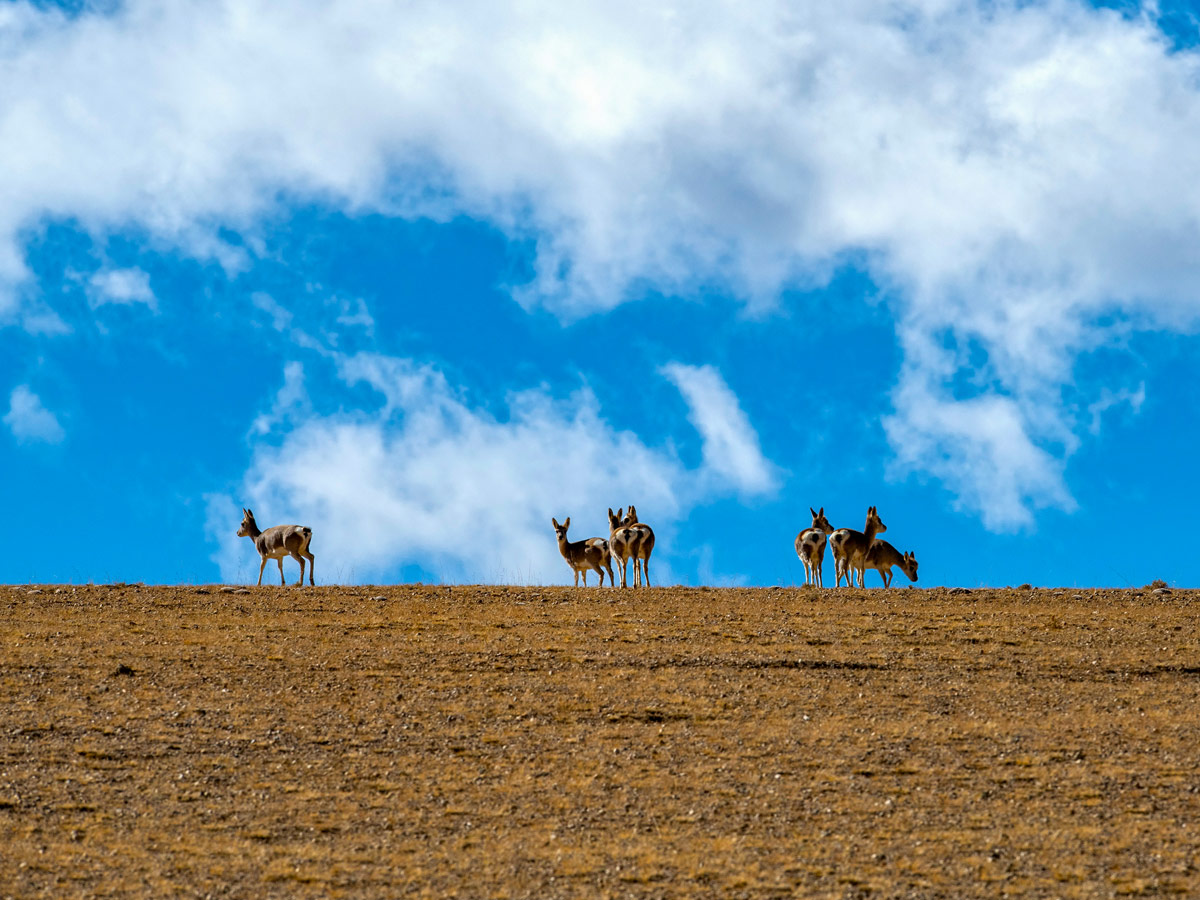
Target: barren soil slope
pixel 559 742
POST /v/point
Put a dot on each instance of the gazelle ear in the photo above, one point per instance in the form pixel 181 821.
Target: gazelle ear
pixel 813 511
pixel 619 511
pixel 820 512
pixel 567 522
pixel 610 512
pixel 554 521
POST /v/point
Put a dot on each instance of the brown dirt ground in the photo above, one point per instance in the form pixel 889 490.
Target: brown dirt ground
pixel 559 742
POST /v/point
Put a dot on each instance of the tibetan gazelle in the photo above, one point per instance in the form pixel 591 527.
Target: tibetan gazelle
pixel 881 556
pixel 277 542
pixel 623 543
pixel 644 547
pixel 850 548
pixel 810 547
pixel 591 553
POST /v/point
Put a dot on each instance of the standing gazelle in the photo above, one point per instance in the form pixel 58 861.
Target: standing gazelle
pixel 850 548
pixel 810 547
pixel 881 556
pixel 622 544
pixel 643 548
pixel 277 542
pixel 591 553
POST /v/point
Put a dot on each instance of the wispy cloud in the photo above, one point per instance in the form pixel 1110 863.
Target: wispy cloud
pixel 1016 175
pixel 730 444
pixel 290 402
pixel 29 420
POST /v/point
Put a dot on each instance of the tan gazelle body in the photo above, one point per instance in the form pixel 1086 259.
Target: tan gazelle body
pixel 643 547
pixel 591 553
pixel 850 548
pixel 277 542
pixel 881 556
pixel 810 547
pixel 622 543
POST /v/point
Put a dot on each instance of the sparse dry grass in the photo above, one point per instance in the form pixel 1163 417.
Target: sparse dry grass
pixel 558 742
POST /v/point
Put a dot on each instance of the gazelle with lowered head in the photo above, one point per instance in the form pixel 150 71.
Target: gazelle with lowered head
pixel 644 547
pixel 810 547
pixel 881 556
pixel 850 548
pixel 277 542
pixel 581 556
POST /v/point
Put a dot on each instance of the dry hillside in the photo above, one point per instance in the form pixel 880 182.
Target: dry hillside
pixel 423 741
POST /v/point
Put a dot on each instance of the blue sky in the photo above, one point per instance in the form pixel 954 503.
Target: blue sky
pixel 422 278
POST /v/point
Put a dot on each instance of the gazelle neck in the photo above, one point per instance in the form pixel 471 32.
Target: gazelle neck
pixel 871 528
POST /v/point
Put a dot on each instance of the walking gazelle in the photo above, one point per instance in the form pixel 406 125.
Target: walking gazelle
pixel 276 543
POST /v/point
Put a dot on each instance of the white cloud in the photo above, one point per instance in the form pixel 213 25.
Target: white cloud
pixel 29 420
pixel 980 449
pixel 1108 399
pixel 730 445
pixel 427 479
pixel 1012 173
pixel 120 286
pixel 290 402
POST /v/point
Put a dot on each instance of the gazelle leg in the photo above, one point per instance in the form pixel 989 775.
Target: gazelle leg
pixel 312 564
pixel 282 580
pixel 262 565
pixel 646 570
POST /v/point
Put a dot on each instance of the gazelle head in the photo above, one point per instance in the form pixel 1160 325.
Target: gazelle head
pixel 561 530
pixel 819 521
pixel 247 523
pixel 614 519
pixel 909 565
pixel 873 517
pixel 631 517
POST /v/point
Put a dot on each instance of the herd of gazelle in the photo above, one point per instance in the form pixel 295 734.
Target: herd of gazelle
pixel 853 551
pixel 629 539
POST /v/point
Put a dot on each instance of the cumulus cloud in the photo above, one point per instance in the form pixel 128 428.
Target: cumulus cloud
pixel 426 479
pixel 29 420
pixel 1014 174
pixel 122 287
